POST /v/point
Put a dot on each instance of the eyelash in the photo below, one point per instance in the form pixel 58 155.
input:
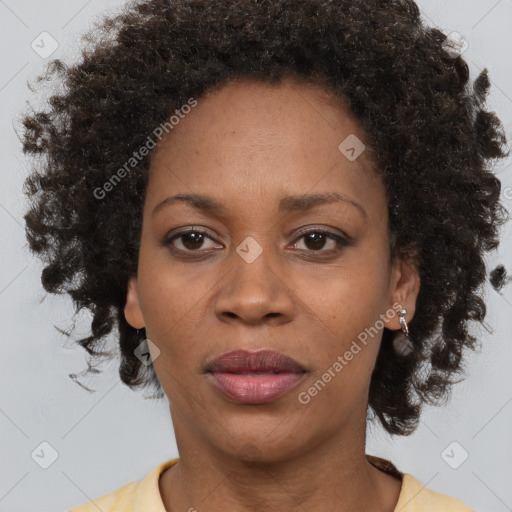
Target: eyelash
pixel 340 240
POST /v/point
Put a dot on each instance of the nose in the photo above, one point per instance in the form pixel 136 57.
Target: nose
pixel 255 292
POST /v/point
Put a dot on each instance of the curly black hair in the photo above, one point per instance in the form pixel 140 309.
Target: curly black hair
pixel 430 132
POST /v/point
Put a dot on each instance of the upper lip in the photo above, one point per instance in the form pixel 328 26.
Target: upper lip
pixel 242 361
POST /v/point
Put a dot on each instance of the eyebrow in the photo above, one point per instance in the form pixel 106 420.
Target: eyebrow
pixel 287 204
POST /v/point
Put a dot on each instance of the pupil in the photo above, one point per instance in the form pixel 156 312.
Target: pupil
pixel 315 238
pixel 197 239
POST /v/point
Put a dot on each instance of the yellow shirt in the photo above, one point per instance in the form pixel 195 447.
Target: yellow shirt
pixel 144 495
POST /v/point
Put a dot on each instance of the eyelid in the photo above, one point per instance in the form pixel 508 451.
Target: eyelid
pixel 326 230
pixel 185 231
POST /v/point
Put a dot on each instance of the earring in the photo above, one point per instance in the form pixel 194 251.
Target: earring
pixel 401 342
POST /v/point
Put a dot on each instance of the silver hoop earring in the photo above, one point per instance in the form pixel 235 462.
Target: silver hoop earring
pixel 401 342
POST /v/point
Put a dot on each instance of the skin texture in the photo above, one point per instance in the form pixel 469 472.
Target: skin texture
pixel 430 132
pixel 247 145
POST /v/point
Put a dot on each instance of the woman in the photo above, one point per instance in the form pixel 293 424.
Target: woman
pixel 283 208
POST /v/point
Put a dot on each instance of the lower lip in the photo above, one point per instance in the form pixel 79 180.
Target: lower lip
pixel 256 388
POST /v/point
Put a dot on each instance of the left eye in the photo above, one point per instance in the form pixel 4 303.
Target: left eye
pixel 190 240
pixel 315 240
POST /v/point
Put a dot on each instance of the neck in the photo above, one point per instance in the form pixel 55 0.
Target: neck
pixel 332 475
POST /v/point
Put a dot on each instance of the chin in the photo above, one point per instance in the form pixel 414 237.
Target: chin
pixel 256 446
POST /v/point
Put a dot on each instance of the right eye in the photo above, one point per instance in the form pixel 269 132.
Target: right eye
pixel 190 240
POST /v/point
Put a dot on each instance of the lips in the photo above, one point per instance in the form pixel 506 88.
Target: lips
pixel 254 377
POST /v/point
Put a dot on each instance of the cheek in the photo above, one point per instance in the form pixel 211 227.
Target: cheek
pixel 175 305
pixel 355 293
pixel 349 305
pixel 166 287
pixel 345 357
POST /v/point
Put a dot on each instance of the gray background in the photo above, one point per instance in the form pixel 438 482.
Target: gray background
pixel 114 436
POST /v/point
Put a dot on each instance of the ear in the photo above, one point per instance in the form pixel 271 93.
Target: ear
pixel 132 310
pixel 405 286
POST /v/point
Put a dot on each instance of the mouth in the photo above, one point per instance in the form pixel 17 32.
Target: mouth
pixel 255 377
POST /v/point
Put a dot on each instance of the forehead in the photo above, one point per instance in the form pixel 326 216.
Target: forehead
pixel 254 140
pixel 304 112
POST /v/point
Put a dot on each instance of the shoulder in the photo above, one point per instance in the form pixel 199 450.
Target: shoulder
pixel 140 495
pixel 120 499
pixel 416 497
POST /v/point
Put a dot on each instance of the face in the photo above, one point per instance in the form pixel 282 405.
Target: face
pixel 287 251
